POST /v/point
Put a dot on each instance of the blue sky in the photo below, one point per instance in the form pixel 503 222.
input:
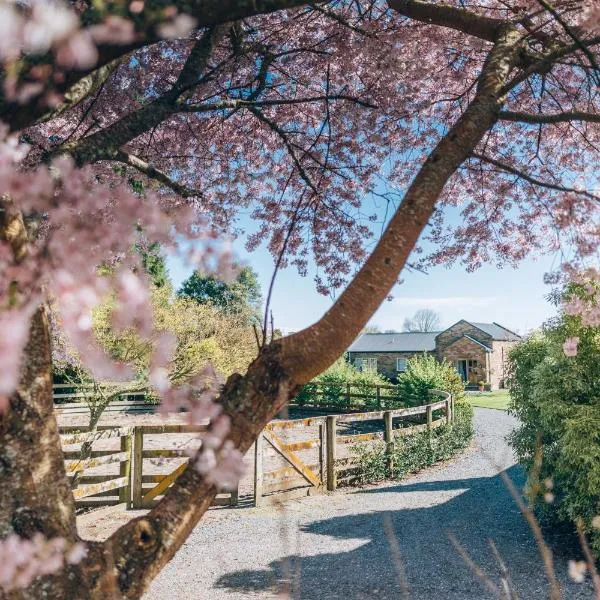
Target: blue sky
pixel 512 297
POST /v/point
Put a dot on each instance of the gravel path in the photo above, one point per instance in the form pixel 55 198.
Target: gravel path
pixel 335 546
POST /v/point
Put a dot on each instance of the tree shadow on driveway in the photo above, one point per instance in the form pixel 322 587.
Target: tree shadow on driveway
pixel 474 510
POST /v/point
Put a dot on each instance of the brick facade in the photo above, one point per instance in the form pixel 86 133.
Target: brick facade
pixel 386 361
pixel 476 355
pixel 498 362
pixel 452 334
pixel 485 356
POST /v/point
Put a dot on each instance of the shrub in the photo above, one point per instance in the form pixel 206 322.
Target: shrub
pixel 337 378
pixel 424 373
pixel 416 451
pixel 557 401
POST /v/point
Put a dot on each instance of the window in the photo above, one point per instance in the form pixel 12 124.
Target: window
pixel 400 365
pixel 366 364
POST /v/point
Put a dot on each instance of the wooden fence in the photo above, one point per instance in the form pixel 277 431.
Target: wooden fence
pixel 349 396
pixel 136 465
pixel 70 399
pixel 146 464
pixel 309 455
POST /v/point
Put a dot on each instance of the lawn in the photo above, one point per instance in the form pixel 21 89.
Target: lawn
pixel 498 399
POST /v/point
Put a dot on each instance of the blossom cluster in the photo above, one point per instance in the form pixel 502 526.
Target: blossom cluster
pixel 23 560
pixel 77 211
pixel 40 27
pixel 217 458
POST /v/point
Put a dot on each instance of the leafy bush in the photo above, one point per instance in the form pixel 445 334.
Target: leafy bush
pixel 335 380
pixel 557 401
pixel 414 452
pixel 424 373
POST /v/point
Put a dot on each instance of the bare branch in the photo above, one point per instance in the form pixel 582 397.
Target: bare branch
pixel 533 180
pixel 156 174
pixel 562 117
pixel 200 107
pixel 460 19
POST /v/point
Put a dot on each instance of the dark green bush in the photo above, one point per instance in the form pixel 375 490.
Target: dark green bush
pixel 557 401
pixel 424 373
pixel 417 451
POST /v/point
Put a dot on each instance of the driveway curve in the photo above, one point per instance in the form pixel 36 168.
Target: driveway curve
pixel 335 546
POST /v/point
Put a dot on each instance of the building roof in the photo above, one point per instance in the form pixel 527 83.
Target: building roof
pixel 472 339
pixel 418 341
pixel 497 331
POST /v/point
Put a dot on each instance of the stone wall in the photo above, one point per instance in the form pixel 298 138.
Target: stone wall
pixel 386 361
pixel 498 362
pixel 464 348
pixel 449 336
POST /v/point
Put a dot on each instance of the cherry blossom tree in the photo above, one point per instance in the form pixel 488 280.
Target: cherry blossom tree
pixel 155 121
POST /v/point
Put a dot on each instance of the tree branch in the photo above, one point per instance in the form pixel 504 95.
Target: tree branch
pixel 237 104
pixel 536 119
pixel 107 143
pixel 533 180
pixel 150 171
pixel 460 19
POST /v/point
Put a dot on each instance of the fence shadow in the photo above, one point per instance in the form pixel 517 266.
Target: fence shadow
pixel 472 509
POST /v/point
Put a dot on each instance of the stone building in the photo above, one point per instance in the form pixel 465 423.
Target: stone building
pixel 477 350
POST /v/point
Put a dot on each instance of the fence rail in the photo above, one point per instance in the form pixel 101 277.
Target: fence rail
pixel 142 474
pixel 348 395
pixel 316 452
pixel 291 457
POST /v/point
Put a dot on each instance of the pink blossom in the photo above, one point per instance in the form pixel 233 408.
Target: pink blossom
pixel 23 560
pixel 114 30
pixel 180 26
pixel 77 52
pixel 570 346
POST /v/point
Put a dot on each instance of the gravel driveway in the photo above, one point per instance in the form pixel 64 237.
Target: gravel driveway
pixel 335 546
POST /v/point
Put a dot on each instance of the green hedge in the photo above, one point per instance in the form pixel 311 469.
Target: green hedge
pixel 557 401
pixel 417 451
pixel 335 381
pixel 423 373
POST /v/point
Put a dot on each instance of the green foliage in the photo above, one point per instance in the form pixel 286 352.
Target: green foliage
pixel 242 295
pixel 333 384
pixel 557 401
pixel 154 264
pixel 424 373
pixel 416 451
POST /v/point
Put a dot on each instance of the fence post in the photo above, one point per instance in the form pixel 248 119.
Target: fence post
pixel 388 436
pixel 138 465
pixel 235 495
pixel 322 454
pixel 448 411
pixel 429 417
pixel 258 469
pixel 331 453
pixel 378 392
pixel 125 470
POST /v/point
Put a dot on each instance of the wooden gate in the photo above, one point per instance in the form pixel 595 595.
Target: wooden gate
pixel 303 459
pixel 156 465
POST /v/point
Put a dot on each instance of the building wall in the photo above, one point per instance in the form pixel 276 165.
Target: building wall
pixel 386 361
pixel 498 363
pixel 464 348
pixel 450 335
